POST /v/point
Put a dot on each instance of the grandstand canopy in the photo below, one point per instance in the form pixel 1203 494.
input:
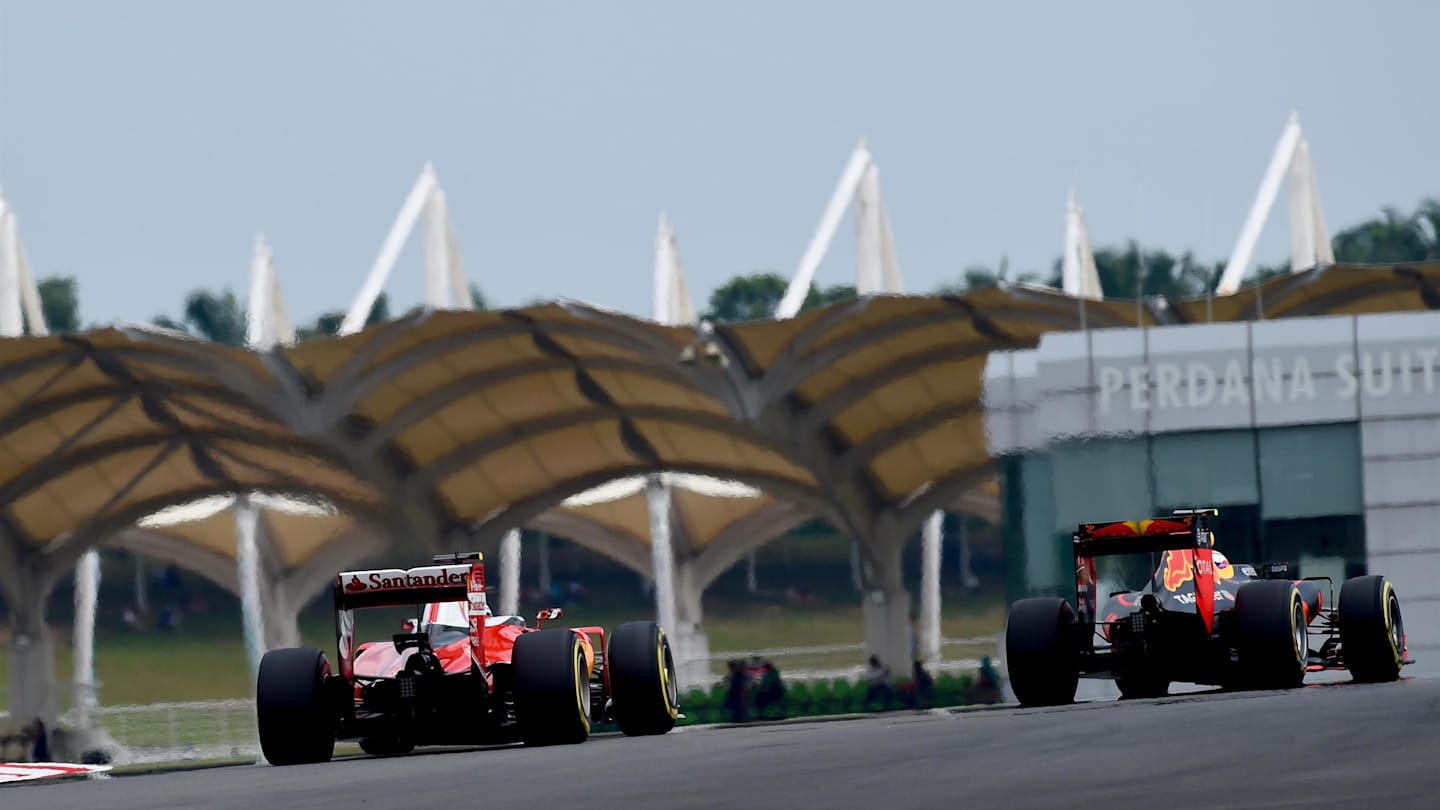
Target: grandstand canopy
pixel 865 413
pixel 1330 290
pixel 103 428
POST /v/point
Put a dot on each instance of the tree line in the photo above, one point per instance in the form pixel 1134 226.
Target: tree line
pixel 1390 237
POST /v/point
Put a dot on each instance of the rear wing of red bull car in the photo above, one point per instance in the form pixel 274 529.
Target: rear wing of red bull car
pixel 1182 530
pixel 452 578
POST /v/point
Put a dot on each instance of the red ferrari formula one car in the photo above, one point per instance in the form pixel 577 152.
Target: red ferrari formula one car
pixel 460 676
pixel 1199 619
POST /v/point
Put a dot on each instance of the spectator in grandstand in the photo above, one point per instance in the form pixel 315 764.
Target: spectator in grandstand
pixel 737 687
pixel 877 676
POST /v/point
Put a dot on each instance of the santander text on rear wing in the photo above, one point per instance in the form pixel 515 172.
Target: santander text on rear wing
pixel 395 587
pixel 453 578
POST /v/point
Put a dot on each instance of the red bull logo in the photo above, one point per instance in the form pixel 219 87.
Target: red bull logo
pixel 1178 569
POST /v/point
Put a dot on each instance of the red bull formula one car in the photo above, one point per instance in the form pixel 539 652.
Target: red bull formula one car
pixel 1200 619
pixel 458 675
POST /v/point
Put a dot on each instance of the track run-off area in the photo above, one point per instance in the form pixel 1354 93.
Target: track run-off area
pixel 1326 745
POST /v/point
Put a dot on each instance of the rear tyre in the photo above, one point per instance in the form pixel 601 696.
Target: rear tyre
pixel 642 679
pixel 552 688
pixel 294 719
pixel 1272 636
pixel 1040 651
pixel 1372 634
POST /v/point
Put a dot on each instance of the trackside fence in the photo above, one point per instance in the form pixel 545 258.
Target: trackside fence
pixel 185 731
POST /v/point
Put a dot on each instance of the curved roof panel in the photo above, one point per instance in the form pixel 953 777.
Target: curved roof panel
pixel 1337 289
pixel 101 428
pixel 494 412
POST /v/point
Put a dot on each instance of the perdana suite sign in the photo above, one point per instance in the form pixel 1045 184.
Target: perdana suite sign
pixel 1165 385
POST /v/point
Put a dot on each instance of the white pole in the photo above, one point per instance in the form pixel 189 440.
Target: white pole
pixel 510 573
pixel 1244 250
pixel 890 261
pixel 438 278
pixel 389 252
pixel 657 497
pixel 1070 258
pixel 664 280
pixel 29 290
pixel 248 560
pixel 87 588
pixel 829 222
pixel 1324 250
pixel 260 308
pixel 869 234
pixel 930 590
pixel 11 323
pixel 752 580
pixel 1302 219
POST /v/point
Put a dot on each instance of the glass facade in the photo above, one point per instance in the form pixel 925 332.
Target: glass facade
pixel 1284 493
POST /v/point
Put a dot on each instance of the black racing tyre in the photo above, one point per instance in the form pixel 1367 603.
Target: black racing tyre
pixel 1272 638
pixel 552 687
pixel 643 690
pixel 1372 634
pixel 1040 651
pixel 295 721
pixel 1140 686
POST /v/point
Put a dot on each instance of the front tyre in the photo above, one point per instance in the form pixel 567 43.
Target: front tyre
pixel 1040 651
pixel 642 679
pixel 1372 634
pixel 552 687
pixel 293 716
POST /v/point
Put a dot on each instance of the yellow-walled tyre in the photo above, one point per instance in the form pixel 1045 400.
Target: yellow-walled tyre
pixel 643 689
pixel 552 688
pixel 1372 634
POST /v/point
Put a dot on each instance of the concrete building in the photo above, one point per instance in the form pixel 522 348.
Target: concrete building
pixel 1317 437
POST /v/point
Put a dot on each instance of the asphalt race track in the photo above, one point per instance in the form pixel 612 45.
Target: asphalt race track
pixel 1323 746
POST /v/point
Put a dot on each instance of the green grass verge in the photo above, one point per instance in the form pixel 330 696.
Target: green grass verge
pixel 206 659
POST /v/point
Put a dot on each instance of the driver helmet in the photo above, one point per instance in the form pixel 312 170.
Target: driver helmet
pixel 1221 564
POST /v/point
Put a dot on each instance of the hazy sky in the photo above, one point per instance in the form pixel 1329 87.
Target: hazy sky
pixel 143 144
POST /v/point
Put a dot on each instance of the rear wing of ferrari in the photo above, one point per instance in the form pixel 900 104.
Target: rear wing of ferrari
pixel 1184 528
pixel 397 587
pixel 452 578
